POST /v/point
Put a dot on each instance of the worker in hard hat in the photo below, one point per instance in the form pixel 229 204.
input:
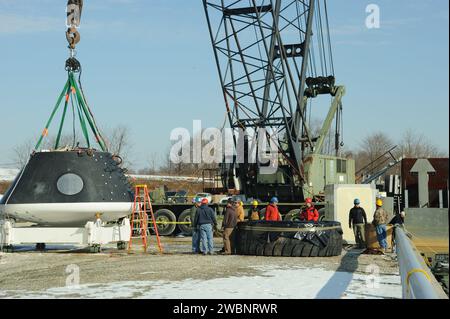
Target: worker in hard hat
pixel 272 212
pixel 309 213
pixel 380 219
pixel 398 221
pixel 253 212
pixel 230 203
pixel 357 221
pixel 229 225
pixel 195 232
pixel 240 211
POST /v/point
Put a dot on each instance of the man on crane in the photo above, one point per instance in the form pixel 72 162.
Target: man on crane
pixel 310 213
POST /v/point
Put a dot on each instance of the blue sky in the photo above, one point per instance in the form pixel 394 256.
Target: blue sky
pixel 148 65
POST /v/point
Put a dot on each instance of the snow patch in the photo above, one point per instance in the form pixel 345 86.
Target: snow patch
pixel 8 174
pixel 300 283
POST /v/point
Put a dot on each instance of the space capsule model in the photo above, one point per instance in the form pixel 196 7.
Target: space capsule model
pixel 68 189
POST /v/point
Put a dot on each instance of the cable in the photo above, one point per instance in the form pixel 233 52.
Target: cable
pixel 319 43
pixel 73 121
pixel 90 112
pixel 322 37
pixel 329 37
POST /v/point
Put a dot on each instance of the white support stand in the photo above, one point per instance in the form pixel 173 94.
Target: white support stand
pixel 94 234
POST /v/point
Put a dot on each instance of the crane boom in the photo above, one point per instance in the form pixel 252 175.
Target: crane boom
pixel 272 59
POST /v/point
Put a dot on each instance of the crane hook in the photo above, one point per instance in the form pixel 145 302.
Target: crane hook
pixel 73 37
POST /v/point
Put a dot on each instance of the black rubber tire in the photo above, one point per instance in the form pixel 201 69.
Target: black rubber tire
pixel 325 242
pixel 323 251
pixel 293 215
pixel 7 249
pixel 252 248
pixel 269 248
pixel 96 249
pixel 307 249
pixel 185 216
pixel 122 245
pixel 167 216
pixel 279 246
pixel 298 249
pixel 241 249
pixel 288 249
pixel 259 249
pixel 322 214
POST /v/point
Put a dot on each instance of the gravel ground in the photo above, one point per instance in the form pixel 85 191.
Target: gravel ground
pixel 30 271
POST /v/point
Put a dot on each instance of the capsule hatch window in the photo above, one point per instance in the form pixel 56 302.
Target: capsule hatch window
pixel 70 184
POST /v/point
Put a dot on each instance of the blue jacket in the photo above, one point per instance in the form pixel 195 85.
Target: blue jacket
pixel 205 215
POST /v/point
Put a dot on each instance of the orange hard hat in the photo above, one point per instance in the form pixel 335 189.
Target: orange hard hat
pixel 205 201
pixel 308 201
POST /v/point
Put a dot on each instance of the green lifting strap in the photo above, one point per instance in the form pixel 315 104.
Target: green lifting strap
pixel 61 125
pixel 71 91
pixel 83 123
pixel 86 112
pixel 45 132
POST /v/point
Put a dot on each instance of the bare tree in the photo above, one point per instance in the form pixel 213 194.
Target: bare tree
pixel 371 149
pixel 154 164
pixel 375 145
pixel 22 152
pixel 416 145
pixel 118 141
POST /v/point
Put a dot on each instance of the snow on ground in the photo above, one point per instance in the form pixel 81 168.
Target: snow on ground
pixel 8 174
pixel 282 283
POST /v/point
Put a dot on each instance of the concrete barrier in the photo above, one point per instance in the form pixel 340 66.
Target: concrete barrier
pixel 429 229
pixel 427 222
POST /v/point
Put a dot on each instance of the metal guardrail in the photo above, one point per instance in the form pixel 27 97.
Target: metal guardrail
pixel 417 280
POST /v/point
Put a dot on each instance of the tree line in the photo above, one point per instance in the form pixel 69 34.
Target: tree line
pixel 371 147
